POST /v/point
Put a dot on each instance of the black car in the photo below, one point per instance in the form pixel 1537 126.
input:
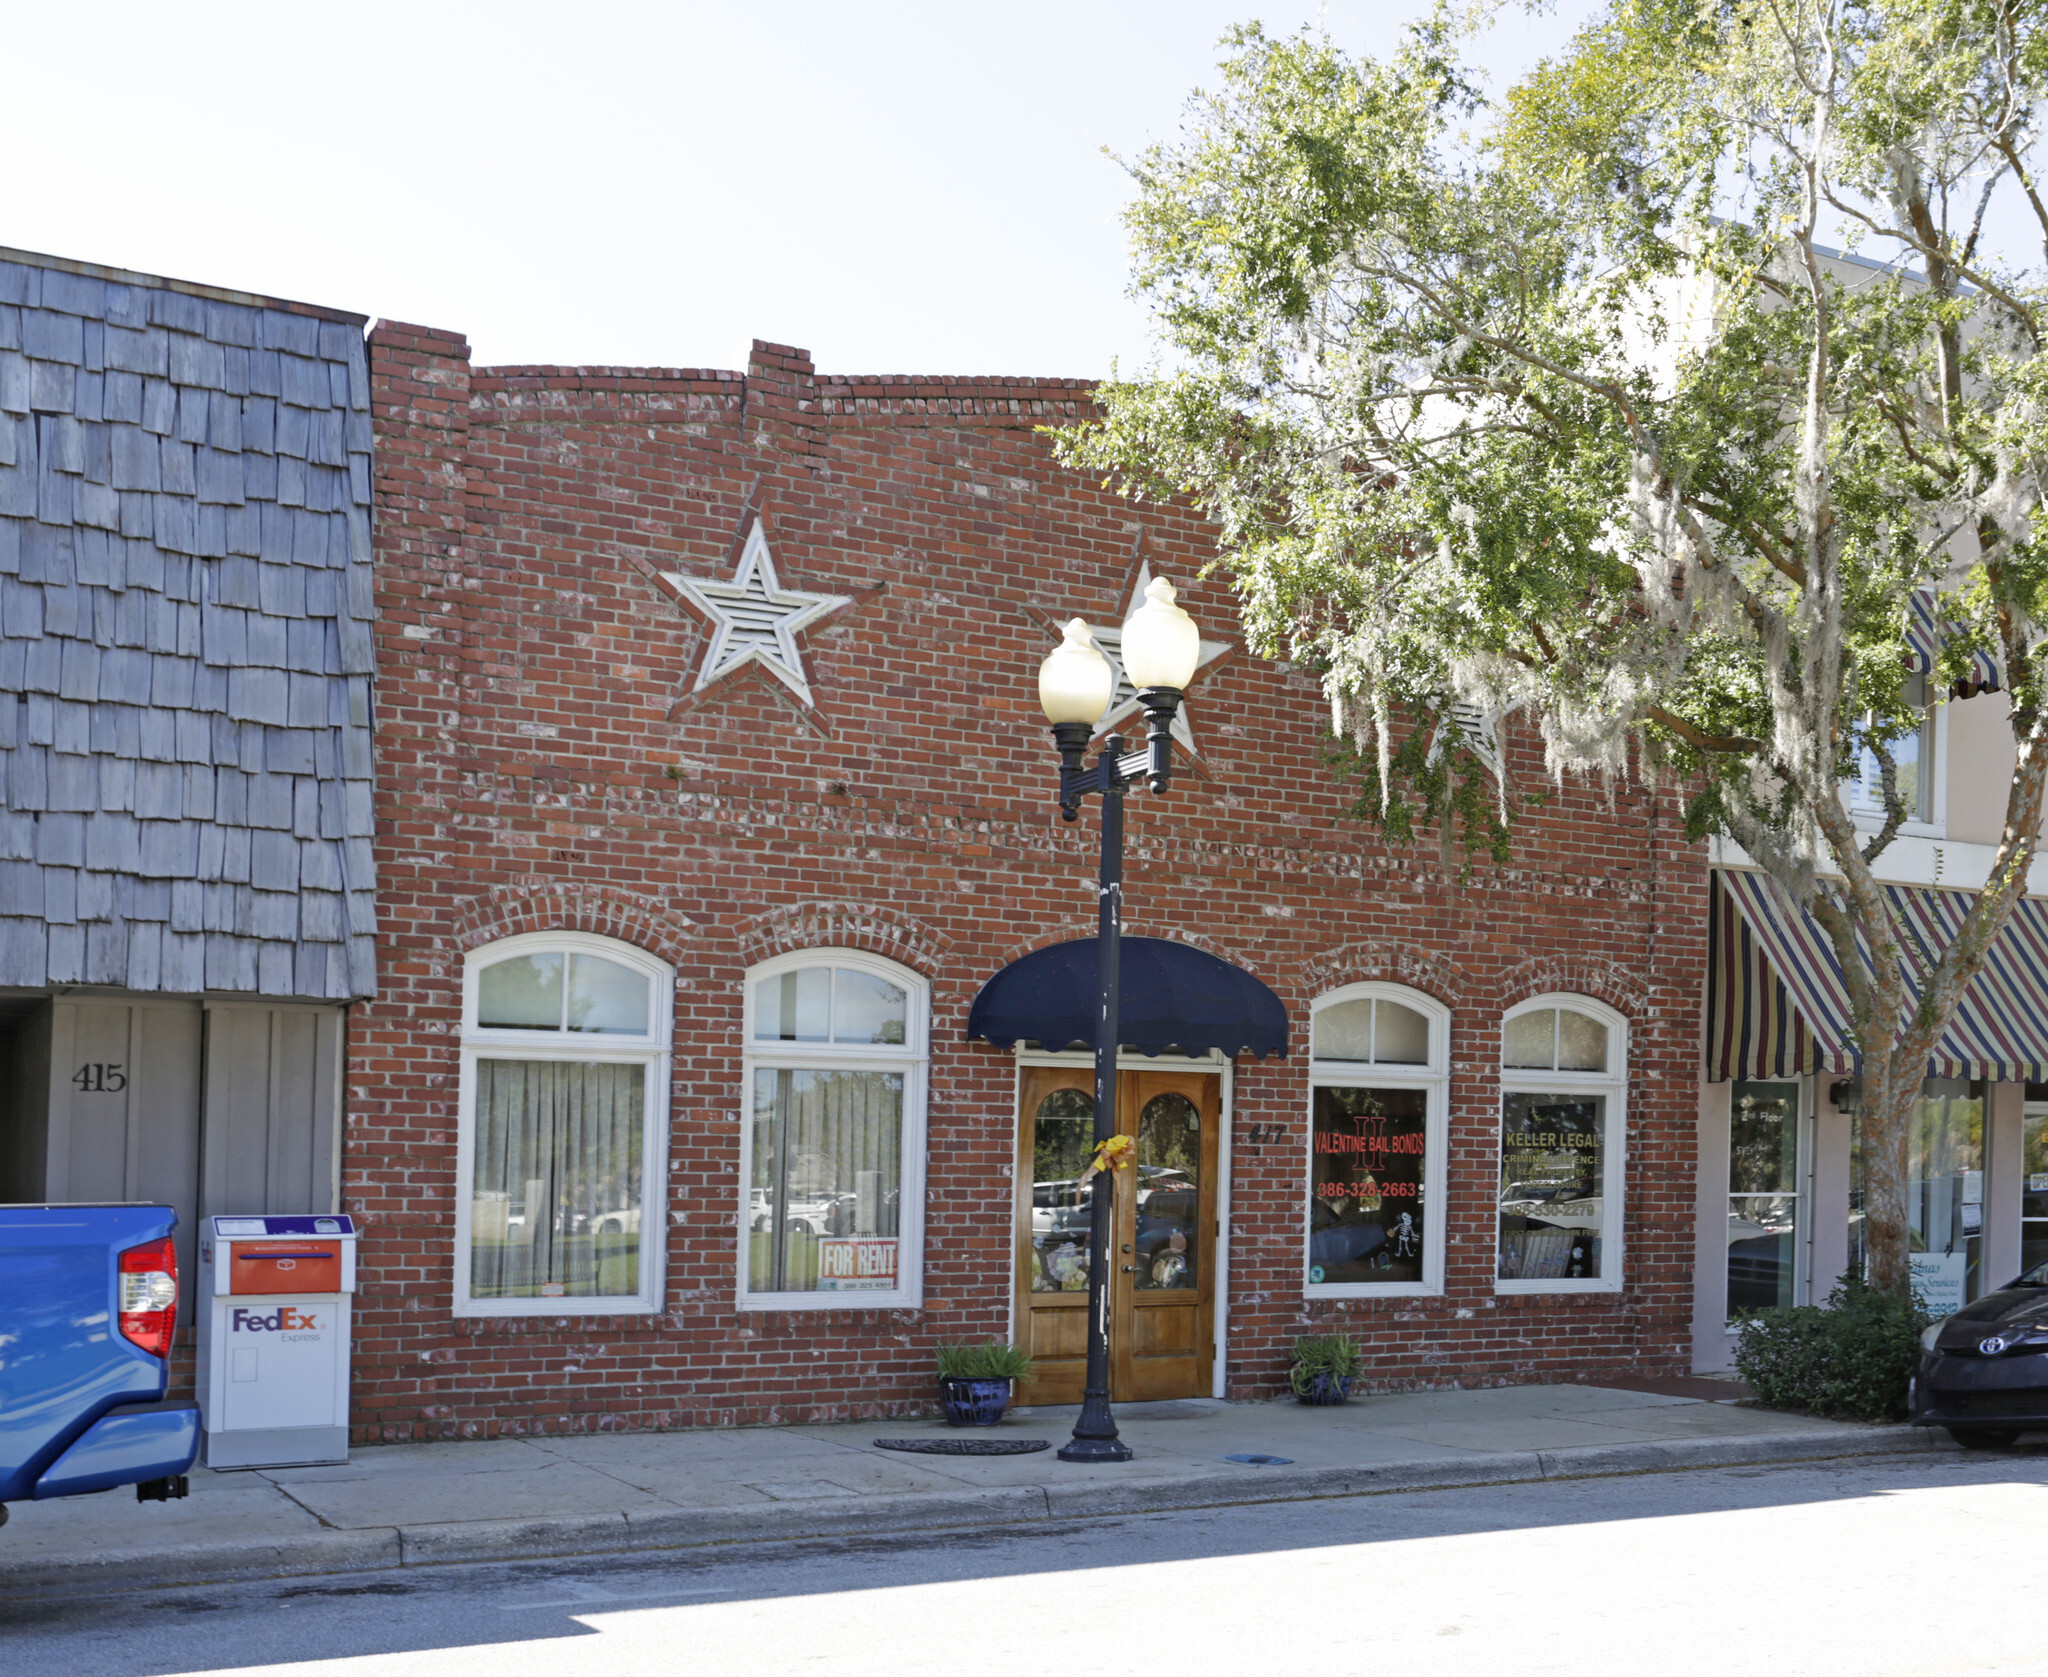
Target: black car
pixel 1983 1372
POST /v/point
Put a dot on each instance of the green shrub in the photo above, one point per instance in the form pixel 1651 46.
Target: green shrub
pixel 1322 1353
pixel 991 1361
pixel 1850 1360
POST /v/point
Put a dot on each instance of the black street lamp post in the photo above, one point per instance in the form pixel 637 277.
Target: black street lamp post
pixel 1160 650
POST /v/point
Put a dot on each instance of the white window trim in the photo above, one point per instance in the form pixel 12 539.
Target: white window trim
pixel 1613 1083
pixel 1433 1078
pixel 651 1051
pixel 912 1058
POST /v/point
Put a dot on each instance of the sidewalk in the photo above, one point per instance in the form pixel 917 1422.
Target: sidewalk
pixel 421 1504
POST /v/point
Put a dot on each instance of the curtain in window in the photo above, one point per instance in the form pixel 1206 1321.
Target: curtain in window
pixel 827 1172
pixel 556 1204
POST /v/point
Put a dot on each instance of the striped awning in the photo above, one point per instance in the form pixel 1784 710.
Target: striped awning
pixel 1753 1028
pixel 1777 1005
pixel 1925 634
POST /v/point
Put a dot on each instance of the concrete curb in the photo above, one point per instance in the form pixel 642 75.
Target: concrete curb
pixel 642 1530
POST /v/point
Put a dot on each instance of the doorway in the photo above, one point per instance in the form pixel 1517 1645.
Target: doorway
pixel 1163 1293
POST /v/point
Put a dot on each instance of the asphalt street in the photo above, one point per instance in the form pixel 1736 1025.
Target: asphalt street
pixel 1928 1563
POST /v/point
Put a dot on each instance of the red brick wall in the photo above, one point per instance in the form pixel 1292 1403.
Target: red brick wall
pixel 545 763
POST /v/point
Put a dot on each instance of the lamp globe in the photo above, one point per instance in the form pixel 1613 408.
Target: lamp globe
pixel 1075 682
pixel 1161 645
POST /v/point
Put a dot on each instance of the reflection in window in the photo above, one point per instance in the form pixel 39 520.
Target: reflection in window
pixel 556 1190
pixel 1554 1039
pixel 1911 754
pixel 606 997
pixel 1062 1142
pixel 827 1181
pixel 830 1004
pixel 1372 1028
pixel 1763 1196
pixel 2034 1178
pixel 526 993
pixel 1945 1192
pixel 1367 1179
pixel 523 993
pixel 1552 1160
pixel 1169 1195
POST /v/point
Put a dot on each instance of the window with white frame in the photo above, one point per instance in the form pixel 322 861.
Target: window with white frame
pixel 834 1148
pixel 1564 1063
pixel 1912 764
pixel 563 1108
pixel 1378 1055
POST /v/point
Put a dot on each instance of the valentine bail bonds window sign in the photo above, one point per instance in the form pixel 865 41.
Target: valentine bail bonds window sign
pixel 1369 1152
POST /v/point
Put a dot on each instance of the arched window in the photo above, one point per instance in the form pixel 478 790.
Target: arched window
pixel 1378 1061
pixel 834 1148
pixel 562 1119
pixel 1564 1066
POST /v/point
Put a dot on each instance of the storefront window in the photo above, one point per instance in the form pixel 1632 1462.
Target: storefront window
pixel 835 1133
pixel 1369 1184
pixel 1376 1136
pixel 1763 1196
pixel 1562 1060
pixel 2034 1178
pixel 1945 1192
pixel 563 1100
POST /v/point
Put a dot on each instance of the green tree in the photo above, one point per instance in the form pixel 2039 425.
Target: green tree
pixel 1558 403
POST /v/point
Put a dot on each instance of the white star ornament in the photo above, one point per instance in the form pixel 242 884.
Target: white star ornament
pixel 754 619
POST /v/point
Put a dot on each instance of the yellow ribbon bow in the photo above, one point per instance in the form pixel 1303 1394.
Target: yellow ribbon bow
pixel 1113 1154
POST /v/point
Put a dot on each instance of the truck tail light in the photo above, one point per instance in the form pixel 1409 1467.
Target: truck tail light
pixel 149 1296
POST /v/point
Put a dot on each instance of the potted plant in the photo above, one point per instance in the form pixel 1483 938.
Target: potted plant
pixel 976 1380
pixel 1322 1367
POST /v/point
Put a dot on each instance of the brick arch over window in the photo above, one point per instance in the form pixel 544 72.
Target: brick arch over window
pixel 1581 975
pixel 879 931
pixel 1385 963
pixel 600 909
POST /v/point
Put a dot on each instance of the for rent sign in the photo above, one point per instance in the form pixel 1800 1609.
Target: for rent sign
pixel 857 1265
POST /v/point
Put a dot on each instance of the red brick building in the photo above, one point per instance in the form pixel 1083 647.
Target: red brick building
pixel 711 789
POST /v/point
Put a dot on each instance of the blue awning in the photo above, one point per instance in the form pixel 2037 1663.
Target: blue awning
pixel 1173 998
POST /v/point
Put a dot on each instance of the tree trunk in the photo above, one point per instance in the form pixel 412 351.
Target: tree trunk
pixel 1889 1104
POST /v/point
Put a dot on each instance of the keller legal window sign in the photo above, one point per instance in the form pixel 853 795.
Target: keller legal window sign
pixel 1550 1175
pixel 1563 1061
pixel 1367 1185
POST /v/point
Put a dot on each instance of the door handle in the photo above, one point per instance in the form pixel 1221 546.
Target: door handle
pixel 1130 1269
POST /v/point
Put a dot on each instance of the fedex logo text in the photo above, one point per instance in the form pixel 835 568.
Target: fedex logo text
pixel 284 1319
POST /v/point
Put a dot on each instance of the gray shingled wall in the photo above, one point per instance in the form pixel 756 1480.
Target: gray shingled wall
pixel 185 656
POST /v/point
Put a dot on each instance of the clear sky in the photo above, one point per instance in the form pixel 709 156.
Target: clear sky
pixel 912 186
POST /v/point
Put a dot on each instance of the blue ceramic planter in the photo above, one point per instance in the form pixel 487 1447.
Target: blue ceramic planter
pixel 975 1403
pixel 1325 1389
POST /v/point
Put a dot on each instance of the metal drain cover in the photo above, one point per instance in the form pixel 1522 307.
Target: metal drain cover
pixel 965 1446
pixel 1262 1461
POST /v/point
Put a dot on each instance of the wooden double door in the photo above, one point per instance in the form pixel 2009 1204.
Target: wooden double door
pixel 1162 1301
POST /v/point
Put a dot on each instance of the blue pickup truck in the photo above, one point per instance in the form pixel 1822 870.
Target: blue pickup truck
pixel 88 1309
